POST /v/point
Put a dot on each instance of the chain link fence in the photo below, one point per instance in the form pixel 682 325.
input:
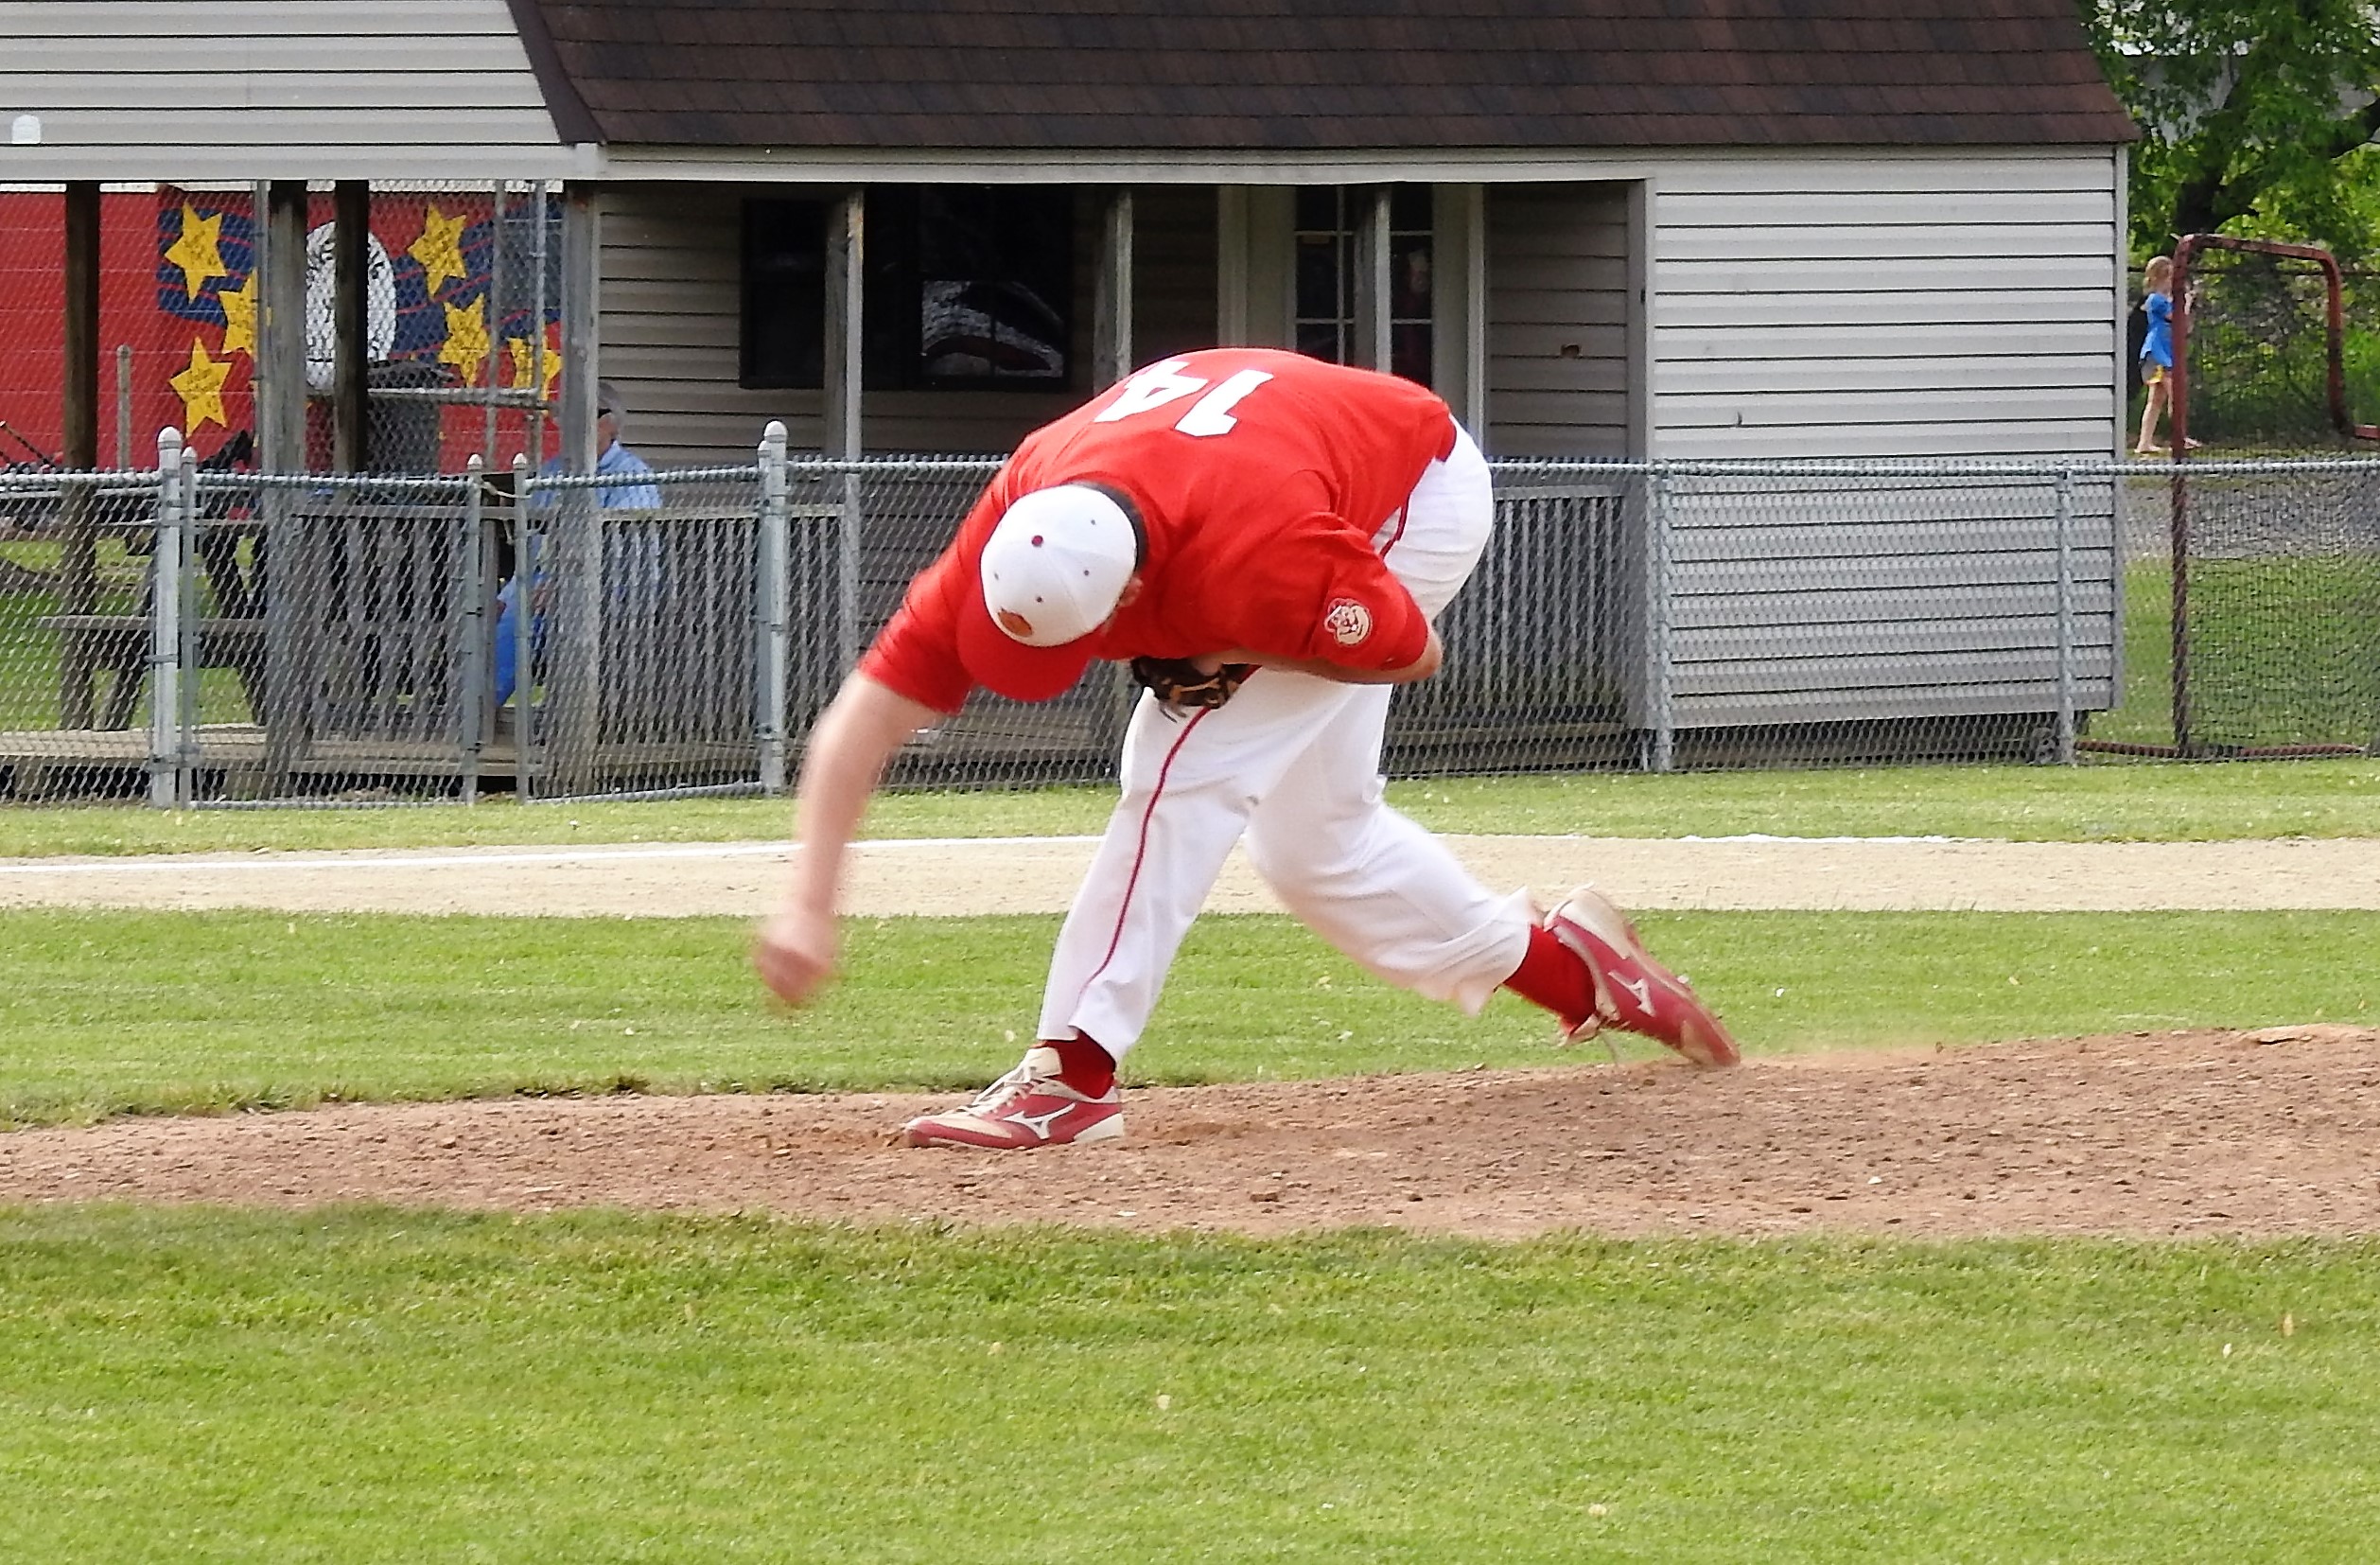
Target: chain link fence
pixel 217 637
pixel 2251 611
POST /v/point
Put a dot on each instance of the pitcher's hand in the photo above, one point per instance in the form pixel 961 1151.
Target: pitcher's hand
pixel 795 954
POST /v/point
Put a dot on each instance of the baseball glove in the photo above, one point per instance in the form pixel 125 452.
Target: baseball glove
pixel 1180 686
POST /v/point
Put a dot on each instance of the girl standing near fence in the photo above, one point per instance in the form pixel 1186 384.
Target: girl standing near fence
pixel 2156 350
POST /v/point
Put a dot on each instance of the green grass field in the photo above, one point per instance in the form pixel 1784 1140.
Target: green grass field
pixel 359 1386
pixel 2136 801
pixel 161 1012
pixel 369 1385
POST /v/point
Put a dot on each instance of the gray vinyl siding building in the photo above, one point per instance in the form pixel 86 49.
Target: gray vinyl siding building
pixel 200 91
pixel 1920 303
pixel 1820 305
pixel 1735 229
pixel 1917 305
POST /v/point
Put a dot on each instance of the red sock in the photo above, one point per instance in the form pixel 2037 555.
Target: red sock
pixel 1552 975
pixel 1084 1064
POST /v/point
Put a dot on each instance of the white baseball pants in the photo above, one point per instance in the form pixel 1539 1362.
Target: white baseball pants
pixel 1292 761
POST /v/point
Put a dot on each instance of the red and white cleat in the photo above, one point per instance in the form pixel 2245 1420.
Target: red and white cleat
pixel 1632 990
pixel 1028 1107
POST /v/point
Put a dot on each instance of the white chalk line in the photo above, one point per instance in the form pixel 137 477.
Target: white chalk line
pixel 596 854
pixel 365 858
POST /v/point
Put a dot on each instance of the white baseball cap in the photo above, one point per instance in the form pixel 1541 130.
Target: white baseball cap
pixel 1053 568
pixel 1057 563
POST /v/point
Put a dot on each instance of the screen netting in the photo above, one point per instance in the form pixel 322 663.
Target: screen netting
pixel 2277 610
pixel 2266 367
pixel 2266 601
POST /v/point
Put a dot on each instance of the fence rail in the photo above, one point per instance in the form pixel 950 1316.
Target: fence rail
pixel 312 639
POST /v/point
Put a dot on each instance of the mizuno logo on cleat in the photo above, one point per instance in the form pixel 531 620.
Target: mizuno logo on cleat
pixel 1039 1123
pixel 1641 988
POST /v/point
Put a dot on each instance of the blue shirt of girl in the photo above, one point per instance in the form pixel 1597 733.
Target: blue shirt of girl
pixel 2158 346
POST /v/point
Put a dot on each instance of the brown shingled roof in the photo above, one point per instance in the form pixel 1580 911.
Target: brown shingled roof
pixel 1322 75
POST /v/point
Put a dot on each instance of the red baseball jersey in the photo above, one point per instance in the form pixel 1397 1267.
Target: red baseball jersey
pixel 1268 484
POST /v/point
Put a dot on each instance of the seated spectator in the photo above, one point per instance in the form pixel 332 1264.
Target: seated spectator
pixel 615 461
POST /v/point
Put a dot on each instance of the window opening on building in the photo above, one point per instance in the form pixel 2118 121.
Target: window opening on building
pixel 782 344
pixel 966 285
pixel 1327 219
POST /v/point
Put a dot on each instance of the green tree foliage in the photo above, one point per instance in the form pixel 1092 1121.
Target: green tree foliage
pixel 2254 116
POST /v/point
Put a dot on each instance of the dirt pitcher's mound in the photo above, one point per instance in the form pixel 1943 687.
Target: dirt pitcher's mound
pixel 2276 1131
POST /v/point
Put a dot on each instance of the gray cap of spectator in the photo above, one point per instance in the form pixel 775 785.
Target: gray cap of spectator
pixel 607 402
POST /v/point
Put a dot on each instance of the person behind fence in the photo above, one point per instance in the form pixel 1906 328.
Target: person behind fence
pixel 2156 350
pixel 1270 539
pixel 625 493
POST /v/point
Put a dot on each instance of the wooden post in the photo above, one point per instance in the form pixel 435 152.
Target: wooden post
pixel 1459 303
pixel 1268 278
pixel 351 241
pixel 1371 348
pixel 1111 324
pixel 1475 292
pixel 1111 357
pixel 582 244
pixel 1230 266
pixel 493 308
pixel 281 330
pixel 1642 288
pixel 82 430
pixel 77 563
pixel 281 448
pixel 575 673
pixel 846 224
pixel 847 254
pixel 123 457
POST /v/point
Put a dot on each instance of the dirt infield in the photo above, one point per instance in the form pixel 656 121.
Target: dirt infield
pixel 2172 1133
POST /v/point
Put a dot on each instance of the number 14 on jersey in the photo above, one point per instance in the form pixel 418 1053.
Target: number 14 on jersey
pixel 1162 384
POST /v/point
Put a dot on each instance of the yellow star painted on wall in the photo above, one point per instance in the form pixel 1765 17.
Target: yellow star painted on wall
pixel 239 317
pixel 524 357
pixel 198 250
pixel 440 250
pixel 467 344
pixel 201 388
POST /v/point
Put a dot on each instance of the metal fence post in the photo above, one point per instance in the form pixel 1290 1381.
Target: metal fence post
pixel 166 787
pixel 2065 615
pixel 478 552
pixel 847 577
pixel 773 619
pixel 2178 674
pixel 524 671
pixel 1660 622
pixel 574 634
pixel 192 668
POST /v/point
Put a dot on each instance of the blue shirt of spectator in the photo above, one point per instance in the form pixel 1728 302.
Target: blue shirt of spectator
pixel 629 494
pixel 2156 347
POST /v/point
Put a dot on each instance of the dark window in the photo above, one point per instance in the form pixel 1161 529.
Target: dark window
pixel 785 333
pixel 970 285
pixel 965 286
pixel 1326 273
pixel 1411 228
pixel 1326 225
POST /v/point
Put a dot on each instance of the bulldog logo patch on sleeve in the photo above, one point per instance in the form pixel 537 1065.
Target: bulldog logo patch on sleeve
pixel 1349 622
